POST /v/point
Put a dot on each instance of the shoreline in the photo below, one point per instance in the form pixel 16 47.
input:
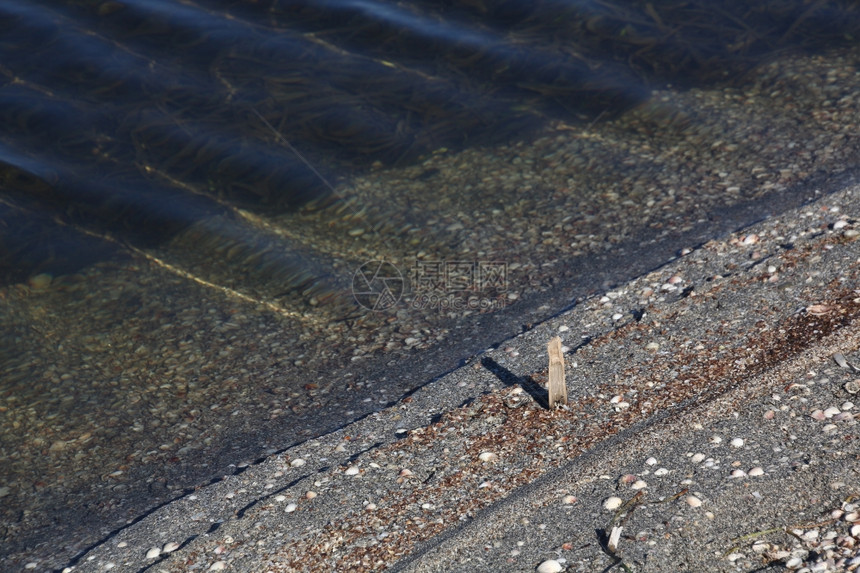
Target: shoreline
pixel 132 384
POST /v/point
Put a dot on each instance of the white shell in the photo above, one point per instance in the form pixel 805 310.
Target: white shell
pixel 549 566
pixel 612 503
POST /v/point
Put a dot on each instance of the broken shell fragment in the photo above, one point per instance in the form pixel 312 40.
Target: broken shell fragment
pixel 818 309
pixel 614 537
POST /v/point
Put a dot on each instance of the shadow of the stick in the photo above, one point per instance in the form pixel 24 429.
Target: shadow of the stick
pixel 527 383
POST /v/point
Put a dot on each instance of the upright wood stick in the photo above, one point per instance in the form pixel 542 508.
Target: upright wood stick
pixel 557 387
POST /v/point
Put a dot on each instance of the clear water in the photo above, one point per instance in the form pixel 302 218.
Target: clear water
pixel 229 226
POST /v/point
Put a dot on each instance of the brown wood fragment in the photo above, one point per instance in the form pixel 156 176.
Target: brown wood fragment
pixel 557 387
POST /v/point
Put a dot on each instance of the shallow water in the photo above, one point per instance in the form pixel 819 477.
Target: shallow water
pixel 194 195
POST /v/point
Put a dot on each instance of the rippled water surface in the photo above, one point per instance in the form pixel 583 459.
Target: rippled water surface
pixel 229 226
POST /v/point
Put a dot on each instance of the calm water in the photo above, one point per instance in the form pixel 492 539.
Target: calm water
pixel 229 226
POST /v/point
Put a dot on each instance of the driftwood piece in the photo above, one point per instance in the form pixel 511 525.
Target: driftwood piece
pixel 557 387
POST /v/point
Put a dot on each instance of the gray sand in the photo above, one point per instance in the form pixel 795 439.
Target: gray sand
pixel 712 408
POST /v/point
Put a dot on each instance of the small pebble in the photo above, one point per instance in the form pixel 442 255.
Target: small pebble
pixel 639 484
pixel 661 471
pixel 852 516
pixel 697 458
pixel 651 461
pixel 40 281
pixel 694 501
pixel 487 457
pixel 310 495
pixel 298 462
pixel 352 471
pixel 737 442
pixel 291 507
pixel 612 503
pixel 794 563
pixel 569 499
pixel 218 566
pixel 549 566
